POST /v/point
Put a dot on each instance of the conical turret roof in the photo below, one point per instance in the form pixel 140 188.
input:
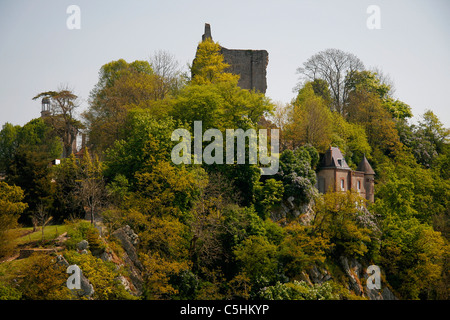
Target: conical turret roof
pixel 365 166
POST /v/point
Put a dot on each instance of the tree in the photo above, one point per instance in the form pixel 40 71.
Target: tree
pixel 301 248
pixel 373 83
pixel 268 195
pixel 66 203
pixel 11 206
pixel 434 131
pixel 8 145
pixel 221 105
pixel 413 255
pixel 297 174
pixel 257 258
pixel 121 87
pixel 341 218
pixel 332 66
pixel 41 217
pixel 63 104
pixel 41 277
pixel 209 66
pixel 310 120
pixel 366 109
pixel 351 139
pixel 29 164
pixel 166 190
pixel 90 184
pixel 148 141
pixel 170 78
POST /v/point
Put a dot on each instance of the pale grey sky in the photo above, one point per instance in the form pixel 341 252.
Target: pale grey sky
pixel 39 53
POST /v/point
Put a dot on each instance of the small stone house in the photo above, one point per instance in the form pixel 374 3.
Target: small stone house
pixel 334 175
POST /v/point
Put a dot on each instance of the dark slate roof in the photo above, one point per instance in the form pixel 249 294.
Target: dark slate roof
pixel 334 159
pixel 365 166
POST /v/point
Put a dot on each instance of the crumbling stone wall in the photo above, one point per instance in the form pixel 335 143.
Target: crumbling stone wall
pixel 250 65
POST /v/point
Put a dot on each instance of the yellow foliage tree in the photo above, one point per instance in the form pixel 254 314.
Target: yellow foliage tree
pixel 209 66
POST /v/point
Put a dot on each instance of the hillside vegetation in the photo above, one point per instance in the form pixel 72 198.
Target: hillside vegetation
pixel 157 230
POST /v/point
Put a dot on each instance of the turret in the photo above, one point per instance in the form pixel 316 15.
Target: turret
pixel 369 178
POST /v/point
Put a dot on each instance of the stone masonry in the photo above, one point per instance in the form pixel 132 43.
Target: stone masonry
pixel 250 65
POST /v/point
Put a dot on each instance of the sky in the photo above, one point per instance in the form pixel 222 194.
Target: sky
pixel 38 52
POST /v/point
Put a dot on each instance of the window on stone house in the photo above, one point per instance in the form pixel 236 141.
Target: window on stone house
pixel 358 185
pixel 342 185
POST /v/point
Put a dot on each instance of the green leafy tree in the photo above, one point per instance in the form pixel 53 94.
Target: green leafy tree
pixel 350 228
pixel 11 206
pixel 297 174
pixel 66 198
pixel 301 248
pixel 147 142
pixel 268 195
pixel 366 108
pixel 121 87
pixel 371 82
pixel 90 186
pixel 8 145
pixel 63 104
pixel 257 258
pixel 35 146
pixel 310 120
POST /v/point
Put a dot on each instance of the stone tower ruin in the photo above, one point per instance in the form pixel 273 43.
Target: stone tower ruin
pixel 250 65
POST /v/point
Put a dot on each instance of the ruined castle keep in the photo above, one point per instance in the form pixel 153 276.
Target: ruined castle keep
pixel 250 65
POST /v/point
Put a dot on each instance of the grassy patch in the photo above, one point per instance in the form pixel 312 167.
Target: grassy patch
pixel 50 233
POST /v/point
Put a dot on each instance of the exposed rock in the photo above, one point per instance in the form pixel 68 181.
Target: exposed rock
pixel 82 245
pixel 127 285
pixel 289 210
pixel 316 275
pixel 352 268
pixel 356 273
pixel 128 241
pixel 105 256
pixel 87 290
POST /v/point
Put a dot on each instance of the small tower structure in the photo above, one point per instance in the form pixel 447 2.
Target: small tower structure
pixel 45 110
pixel 369 178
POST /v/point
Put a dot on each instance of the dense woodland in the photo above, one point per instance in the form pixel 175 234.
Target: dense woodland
pixel 219 231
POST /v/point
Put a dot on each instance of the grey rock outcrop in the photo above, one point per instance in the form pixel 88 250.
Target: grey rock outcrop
pixel 356 273
pixel 87 290
pixel 82 245
pixel 129 239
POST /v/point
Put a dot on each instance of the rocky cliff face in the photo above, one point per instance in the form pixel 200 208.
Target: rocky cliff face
pixel 129 240
pixel 357 277
pixel 352 274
